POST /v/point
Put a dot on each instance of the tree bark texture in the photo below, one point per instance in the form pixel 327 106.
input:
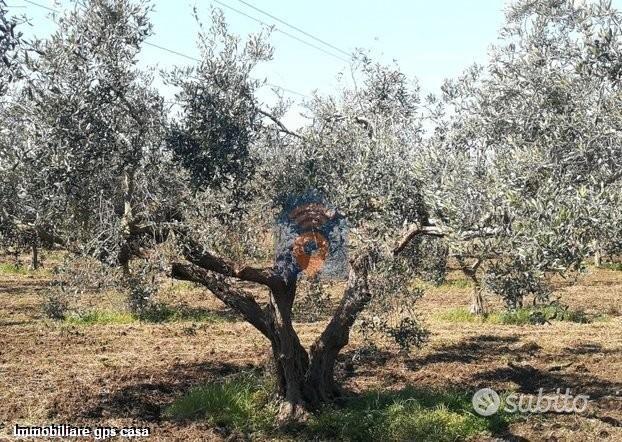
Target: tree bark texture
pixel 305 379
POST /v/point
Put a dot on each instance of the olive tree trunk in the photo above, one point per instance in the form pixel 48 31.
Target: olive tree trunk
pixel 305 379
pixel 477 297
pixel 477 301
pixel 598 258
pixel 35 257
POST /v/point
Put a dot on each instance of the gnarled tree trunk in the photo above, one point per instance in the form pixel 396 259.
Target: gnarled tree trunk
pixel 305 379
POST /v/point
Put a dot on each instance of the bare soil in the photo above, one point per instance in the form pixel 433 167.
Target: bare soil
pixel 125 375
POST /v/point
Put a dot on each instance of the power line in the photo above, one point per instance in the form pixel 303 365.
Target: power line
pixel 181 54
pixel 189 57
pixel 282 31
pixel 162 48
pixel 295 28
pixel 41 6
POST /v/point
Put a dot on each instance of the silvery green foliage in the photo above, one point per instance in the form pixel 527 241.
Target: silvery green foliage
pixel 10 45
pixel 12 53
pixel 392 310
pixel 220 118
pixel 214 140
pixel 525 159
pixel 313 303
pixel 17 202
pixel 142 288
pixel 55 307
pixel 516 280
pixel 94 119
pixel 428 258
pixel 357 153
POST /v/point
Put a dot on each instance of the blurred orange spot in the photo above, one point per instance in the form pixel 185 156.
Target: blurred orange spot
pixel 311 262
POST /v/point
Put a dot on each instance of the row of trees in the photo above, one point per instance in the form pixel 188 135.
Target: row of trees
pixel 514 170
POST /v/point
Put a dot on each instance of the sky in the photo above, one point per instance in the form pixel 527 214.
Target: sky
pixel 430 40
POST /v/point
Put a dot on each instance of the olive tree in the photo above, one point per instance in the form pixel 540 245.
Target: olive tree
pixel 12 54
pixel 525 158
pixel 355 154
pixel 96 130
pixel 113 180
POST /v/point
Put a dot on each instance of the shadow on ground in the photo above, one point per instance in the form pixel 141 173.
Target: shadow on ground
pixel 137 396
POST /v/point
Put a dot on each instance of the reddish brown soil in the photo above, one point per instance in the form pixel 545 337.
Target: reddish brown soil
pixel 125 375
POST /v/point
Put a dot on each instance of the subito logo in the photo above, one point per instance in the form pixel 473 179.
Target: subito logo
pixel 486 402
pixel 310 238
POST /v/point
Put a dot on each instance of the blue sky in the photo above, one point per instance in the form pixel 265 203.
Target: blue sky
pixel 431 40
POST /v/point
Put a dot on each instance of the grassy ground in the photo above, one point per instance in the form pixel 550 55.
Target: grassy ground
pixel 197 373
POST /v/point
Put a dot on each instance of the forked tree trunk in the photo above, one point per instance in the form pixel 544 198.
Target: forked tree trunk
pixel 305 379
pixel 477 298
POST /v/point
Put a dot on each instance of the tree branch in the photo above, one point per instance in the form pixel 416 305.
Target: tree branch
pixel 371 130
pixel 279 124
pixel 45 233
pixel 417 230
pixel 208 261
pixel 433 230
pixel 238 300
pixel 355 297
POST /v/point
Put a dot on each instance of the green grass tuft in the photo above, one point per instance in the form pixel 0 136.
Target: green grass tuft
pixel 536 315
pixel 12 269
pixel 522 316
pixel 410 414
pixel 161 313
pixel 242 403
pixel 22 270
pixel 100 317
pixel 458 283
pixel 164 313
pixel 616 266
pixel 458 315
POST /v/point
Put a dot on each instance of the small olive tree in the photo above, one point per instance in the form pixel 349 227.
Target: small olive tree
pixel 12 54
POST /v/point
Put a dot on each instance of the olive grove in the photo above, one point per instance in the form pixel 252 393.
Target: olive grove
pixel 524 166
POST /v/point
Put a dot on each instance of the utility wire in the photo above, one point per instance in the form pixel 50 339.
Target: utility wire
pixel 282 32
pixel 295 28
pixel 189 57
pixel 42 6
pixel 162 48
pixel 181 54
pixel 252 18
